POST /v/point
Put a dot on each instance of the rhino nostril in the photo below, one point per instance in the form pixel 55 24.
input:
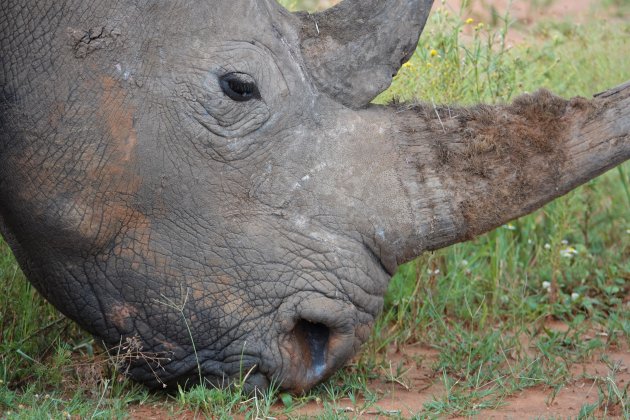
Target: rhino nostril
pixel 313 339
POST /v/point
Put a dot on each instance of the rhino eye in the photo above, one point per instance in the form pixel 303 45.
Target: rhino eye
pixel 239 87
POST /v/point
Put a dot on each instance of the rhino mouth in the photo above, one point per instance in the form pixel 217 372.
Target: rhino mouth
pixel 243 372
pixel 319 339
pixel 308 355
pixel 308 318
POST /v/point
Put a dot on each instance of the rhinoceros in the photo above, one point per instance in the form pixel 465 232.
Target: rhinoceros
pixel 209 178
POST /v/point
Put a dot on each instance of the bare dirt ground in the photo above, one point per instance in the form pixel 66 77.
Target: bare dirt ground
pixel 421 384
pixel 528 12
pixel 524 14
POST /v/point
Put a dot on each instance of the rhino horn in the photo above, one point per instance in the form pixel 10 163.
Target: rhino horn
pixel 354 49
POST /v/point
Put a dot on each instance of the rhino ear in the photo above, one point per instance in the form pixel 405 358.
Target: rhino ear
pixel 353 49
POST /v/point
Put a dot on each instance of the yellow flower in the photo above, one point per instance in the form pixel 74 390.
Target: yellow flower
pixel 429 65
pixel 469 21
pixel 408 65
pixel 479 26
pixel 568 252
pixel 433 53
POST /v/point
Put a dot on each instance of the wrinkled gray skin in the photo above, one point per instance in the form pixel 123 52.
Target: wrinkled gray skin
pixel 143 201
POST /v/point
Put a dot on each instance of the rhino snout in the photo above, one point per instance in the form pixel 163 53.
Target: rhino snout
pixel 324 335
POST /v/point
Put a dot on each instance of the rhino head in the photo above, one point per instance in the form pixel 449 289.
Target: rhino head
pixel 209 178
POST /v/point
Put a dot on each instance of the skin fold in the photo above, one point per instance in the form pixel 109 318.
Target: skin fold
pixel 208 181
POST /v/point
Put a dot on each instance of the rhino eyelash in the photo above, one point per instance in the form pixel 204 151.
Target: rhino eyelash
pixel 239 87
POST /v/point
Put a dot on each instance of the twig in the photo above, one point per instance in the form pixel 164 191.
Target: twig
pixel 438 115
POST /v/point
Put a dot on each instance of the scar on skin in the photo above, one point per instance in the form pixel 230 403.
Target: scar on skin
pixel 169 346
pixel 121 314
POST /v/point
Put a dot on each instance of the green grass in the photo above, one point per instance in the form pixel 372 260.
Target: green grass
pixel 482 305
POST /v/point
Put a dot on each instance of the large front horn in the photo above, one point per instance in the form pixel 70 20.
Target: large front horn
pixel 353 49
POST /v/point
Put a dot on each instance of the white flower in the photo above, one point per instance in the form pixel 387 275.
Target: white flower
pixel 546 285
pixel 564 242
pixel 529 242
pixel 575 296
pixel 435 272
pixel 464 263
pixel 568 252
pixel 628 231
pixel 509 226
pixel 547 246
